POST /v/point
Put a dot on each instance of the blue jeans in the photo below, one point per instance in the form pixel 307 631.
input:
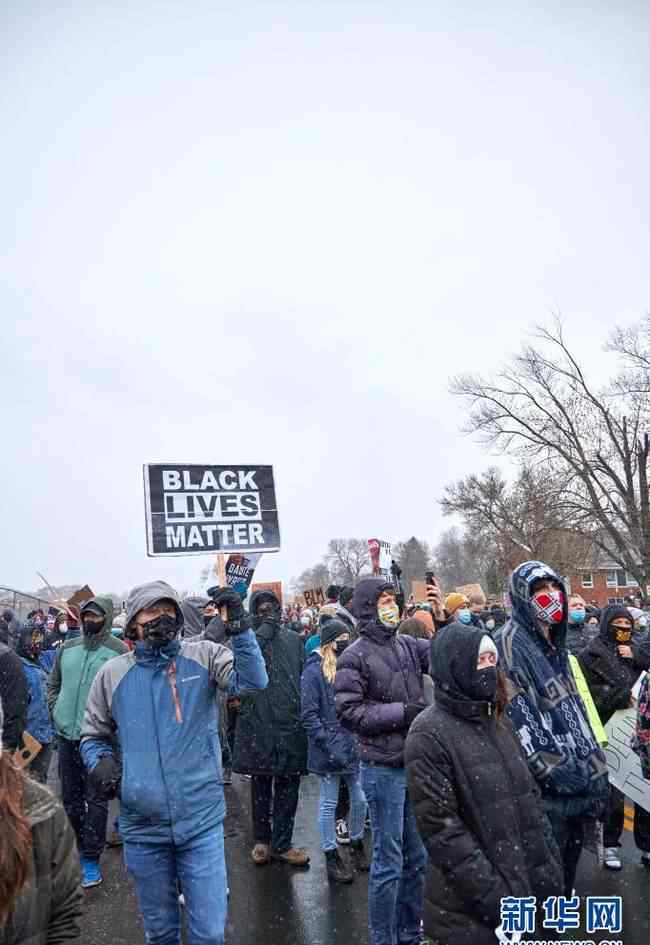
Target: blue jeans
pixel 199 868
pixel 399 860
pixel 329 795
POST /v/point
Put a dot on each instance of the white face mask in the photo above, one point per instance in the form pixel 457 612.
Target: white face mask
pixel 63 627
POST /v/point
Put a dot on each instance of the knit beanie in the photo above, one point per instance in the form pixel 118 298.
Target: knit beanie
pixel 487 645
pixel 331 629
pixel 454 602
pixel 346 596
pixel 312 644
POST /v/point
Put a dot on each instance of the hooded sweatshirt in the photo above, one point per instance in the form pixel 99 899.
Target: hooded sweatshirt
pixel 377 677
pixel 609 676
pixel 544 705
pixel 38 716
pixel 77 663
pixel 160 705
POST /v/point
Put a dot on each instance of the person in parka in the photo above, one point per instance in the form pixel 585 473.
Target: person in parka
pixel 611 664
pixel 270 742
pixel 40 892
pixel 38 722
pixel 378 693
pixel 547 711
pixel 158 703
pixel 476 803
pixel 332 751
pixel 77 663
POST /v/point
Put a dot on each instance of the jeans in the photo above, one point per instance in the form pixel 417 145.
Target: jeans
pixel 615 821
pixel 86 811
pixel 198 867
pixel 329 795
pixel 274 826
pixel 569 833
pixel 399 860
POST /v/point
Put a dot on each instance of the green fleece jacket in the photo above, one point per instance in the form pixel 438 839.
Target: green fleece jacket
pixel 76 665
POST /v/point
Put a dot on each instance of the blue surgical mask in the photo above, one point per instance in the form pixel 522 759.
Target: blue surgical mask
pixel 577 616
pixel 464 615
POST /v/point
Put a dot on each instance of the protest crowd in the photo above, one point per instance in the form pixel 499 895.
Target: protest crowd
pixel 457 762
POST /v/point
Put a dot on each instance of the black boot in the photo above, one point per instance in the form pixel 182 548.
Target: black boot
pixel 338 870
pixel 359 858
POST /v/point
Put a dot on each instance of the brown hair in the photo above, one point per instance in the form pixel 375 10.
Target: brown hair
pixel 502 698
pixel 414 627
pixel 15 836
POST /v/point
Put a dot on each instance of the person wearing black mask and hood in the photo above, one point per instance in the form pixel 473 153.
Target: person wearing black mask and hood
pixel 270 743
pixel 611 664
pixel 476 803
pixel 39 726
pixel 77 663
pixel 159 703
pixel 378 693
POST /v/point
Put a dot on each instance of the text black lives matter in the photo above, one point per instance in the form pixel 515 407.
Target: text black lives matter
pixel 196 509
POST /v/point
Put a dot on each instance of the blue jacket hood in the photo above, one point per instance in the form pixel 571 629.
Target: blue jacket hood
pixel 523 612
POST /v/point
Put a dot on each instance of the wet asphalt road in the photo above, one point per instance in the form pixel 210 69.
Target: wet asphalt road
pixel 275 905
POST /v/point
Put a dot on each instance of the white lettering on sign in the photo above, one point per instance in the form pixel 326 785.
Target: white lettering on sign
pixel 203 536
pixel 228 480
pixel 212 506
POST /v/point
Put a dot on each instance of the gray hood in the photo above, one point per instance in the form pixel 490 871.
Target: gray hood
pixel 192 608
pixel 144 595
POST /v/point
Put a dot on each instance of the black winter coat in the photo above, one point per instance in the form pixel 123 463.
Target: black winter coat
pixel 14 696
pixel 269 738
pixel 610 677
pixel 477 806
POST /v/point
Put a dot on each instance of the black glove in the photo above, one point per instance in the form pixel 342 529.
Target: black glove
pixel 106 776
pixel 235 620
pixel 411 712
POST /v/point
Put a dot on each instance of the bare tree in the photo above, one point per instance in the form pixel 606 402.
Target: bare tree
pixel 542 408
pixel 318 576
pixel 414 558
pixel 348 559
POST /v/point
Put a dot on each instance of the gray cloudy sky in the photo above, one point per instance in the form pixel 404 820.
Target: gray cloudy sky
pixel 270 232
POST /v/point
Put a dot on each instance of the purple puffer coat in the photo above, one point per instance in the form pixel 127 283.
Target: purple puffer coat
pixel 376 677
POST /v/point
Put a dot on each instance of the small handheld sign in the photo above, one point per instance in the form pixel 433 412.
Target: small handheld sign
pixel 197 509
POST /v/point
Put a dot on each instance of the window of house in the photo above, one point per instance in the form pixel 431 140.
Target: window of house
pixel 614 600
pixel 611 579
pixel 587 579
pixel 629 580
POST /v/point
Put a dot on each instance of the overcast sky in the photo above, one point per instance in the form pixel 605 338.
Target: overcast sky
pixel 271 232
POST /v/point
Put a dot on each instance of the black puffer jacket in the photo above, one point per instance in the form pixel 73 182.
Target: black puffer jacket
pixel 48 909
pixel 269 738
pixel 477 805
pixel 610 677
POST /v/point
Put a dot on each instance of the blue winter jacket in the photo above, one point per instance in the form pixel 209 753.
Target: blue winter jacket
pixel 38 716
pixel 162 707
pixel 332 750
pixel 545 707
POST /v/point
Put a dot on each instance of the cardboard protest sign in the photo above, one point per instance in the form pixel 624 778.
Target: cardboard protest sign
pixel 314 597
pixel 240 570
pixel 80 597
pixel 419 591
pixel 274 586
pixel 194 509
pixel 380 556
pixel 592 712
pixel 624 766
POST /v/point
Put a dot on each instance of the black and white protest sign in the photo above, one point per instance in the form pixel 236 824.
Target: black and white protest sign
pixel 192 509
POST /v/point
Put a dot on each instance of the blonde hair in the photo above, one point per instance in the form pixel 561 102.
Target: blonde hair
pixel 328 664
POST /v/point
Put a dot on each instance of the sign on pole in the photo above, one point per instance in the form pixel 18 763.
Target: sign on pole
pixel 193 509
pixel 624 765
pixel 240 570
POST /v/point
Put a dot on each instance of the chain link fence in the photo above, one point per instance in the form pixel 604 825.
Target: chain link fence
pixel 21 603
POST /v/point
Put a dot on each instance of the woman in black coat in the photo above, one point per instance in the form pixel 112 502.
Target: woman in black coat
pixel 476 803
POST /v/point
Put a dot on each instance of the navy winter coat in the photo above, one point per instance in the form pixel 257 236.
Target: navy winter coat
pixel 377 676
pixel 331 748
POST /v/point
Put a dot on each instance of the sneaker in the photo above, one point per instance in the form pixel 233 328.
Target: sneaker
pixel 227 776
pixel 91 875
pixel 338 870
pixel 359 858
pixel 645 859
pixel 292 857
pixel 342 832
pixel 612 859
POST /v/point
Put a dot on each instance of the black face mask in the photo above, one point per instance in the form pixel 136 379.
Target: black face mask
pixel 265 614
pixel 160 631
pixel 484 685
pixel 341 645
pixel 92 627
pixel 206 620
